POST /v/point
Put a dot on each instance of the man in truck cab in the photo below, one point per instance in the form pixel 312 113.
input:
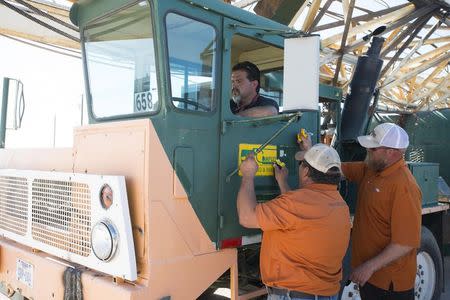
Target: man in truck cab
pixel 246 100
pixel 305 231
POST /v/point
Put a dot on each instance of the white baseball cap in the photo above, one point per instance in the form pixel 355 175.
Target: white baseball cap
pixel 385 135
pixel 321 157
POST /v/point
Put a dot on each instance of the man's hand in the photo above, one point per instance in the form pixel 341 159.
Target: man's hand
pixel 393 251
pixel 281 175
pixel 259 112
pixel 361 274
pixel 305 143
pixel 249 167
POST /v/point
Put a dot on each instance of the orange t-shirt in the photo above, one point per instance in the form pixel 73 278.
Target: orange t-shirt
pixel 306 235
pixel 388 210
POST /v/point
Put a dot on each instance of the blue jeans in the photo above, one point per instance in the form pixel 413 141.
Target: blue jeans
pixel 286 297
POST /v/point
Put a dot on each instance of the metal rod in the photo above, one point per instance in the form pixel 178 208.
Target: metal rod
pixel 4 112
pixel 26 15
pixel 260 148
pixel 49 16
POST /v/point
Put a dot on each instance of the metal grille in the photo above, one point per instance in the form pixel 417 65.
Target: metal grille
pixel 13 204
pixel 416 154
pixel 61 215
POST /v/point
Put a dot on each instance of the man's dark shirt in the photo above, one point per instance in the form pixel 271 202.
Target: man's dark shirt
pixel 258 102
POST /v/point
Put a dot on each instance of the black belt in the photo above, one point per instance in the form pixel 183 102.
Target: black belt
pixel 292 294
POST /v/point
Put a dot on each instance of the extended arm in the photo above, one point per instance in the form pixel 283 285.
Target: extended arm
pixel 246 199
pixel 392 252
pixel 260 111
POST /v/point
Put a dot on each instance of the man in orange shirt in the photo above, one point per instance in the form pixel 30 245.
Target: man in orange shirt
pixel 305 231
pixel 387 224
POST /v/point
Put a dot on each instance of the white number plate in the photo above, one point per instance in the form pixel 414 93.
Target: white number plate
pixel 24 272
pixel 143 102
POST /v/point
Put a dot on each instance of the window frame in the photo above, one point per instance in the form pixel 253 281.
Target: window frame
pixel 216 65
pixel 89 101
pixel 273 70
pixel 234 28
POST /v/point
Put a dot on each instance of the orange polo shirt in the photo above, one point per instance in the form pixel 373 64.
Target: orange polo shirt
pixel 305 237
pixel 388 210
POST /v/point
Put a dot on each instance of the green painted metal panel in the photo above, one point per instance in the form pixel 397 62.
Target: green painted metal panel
pixel 428 136
pixel 330 92
pixel 184 161
pixel 426 175
pixel 87 10
pixel 265 186
pixel 286 12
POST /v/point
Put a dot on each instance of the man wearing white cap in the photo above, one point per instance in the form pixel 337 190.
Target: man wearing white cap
pixel 386 229
pixel 306 231
pixel 387 224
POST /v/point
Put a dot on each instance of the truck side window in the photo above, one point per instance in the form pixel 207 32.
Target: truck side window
pixel 121 65
pixel 269 60
pixel 272 85
pixel 192 52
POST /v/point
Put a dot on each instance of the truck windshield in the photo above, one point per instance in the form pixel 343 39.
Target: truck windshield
pixel 120 60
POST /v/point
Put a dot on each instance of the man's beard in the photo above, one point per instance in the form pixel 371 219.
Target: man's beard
pixel 375 165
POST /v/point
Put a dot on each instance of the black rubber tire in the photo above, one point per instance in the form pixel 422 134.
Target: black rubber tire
pixel 429 245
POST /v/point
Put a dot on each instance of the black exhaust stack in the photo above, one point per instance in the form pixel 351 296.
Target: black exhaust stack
pixel 355 114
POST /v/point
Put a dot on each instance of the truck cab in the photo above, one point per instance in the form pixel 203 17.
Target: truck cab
pixel 170 62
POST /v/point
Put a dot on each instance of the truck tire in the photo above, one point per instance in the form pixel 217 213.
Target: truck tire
pixel 429 276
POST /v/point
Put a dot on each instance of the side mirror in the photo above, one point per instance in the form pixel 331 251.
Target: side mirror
pixel 12 107
pixel 301 73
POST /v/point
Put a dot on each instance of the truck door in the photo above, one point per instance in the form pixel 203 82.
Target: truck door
pixel 241 135
pixel 190 126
